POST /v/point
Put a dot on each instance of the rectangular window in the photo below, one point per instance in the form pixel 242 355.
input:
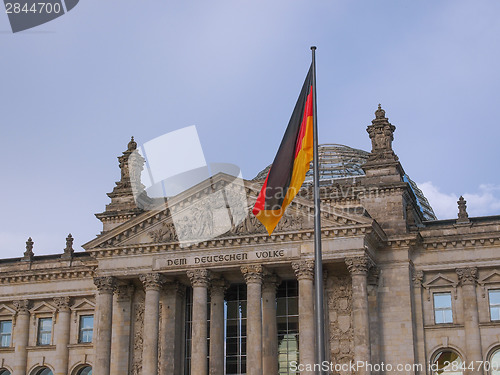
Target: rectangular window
pixel 442 308
pixel 5 333
pixel 44 331
pixel 86 328
pixel 287 315
pixel 494 296
pixel 235 316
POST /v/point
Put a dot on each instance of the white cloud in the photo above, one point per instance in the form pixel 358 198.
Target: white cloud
pixel 484 202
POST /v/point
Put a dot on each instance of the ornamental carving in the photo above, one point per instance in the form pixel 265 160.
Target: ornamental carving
pixel 252 273
pixel 467 276
pixel 166 233
pixel 358 265
pixel 62 303
pixel 271 282
pixel 218 286
pixel 175 287
pixel 138 331
pixel 417 277
pixel 124 292
pixel 304 269
pixel 105 284
pixel 341 333
pixel 22 306
pixel 199 277
pixel 152 281
pixel 250 225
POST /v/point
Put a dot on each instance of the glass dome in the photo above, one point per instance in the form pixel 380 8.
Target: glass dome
pixel 339 161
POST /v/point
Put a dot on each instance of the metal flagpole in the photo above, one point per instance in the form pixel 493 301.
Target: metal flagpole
pixel 318 264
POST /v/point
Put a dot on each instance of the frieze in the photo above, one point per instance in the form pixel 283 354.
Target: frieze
pixel 175 261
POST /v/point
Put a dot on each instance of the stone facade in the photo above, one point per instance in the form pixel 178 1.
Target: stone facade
pixel 154 301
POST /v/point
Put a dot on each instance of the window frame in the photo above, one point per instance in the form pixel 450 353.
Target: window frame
pixel 496 306
pixel 443 350
pixel 39 330
pixel 82 330
pixel 440 309
pixel 2 335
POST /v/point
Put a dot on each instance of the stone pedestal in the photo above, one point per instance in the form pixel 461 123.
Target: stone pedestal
pixel 104 319
pixel 253 279
pixel 120 342
pixel 61 335
pixel 304 271
pixel 172 328
pixel 269 325
pixel 199 348
pixel 358 268
pixel 152 284
pixel 21 336
pixel 217 289
pixel 468 278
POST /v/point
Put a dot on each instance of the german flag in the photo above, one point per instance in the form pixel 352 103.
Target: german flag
pixel 291 163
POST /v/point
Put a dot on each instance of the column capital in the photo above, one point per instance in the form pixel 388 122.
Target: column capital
pixel 175 287
pixel 218 286
pixel 304 269
pixel 22 306
pixel 252 273
pixel 152 281
pixel 358 265
pixel 62 303
pixel 105 284
pixel 417 277
pixel 199 277
pixel 467 275
pixel 271 281
pixel 124 291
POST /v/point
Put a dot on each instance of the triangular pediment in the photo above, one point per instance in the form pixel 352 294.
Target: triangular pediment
pixel 440 280
pixel 491 278
pixel 6 310
pixel 43 307
pixel 216 208
pixel 84 305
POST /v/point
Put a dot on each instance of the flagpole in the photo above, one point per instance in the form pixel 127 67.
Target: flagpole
pixel 318 264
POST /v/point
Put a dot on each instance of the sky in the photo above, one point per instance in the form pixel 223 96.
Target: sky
pixel 74 90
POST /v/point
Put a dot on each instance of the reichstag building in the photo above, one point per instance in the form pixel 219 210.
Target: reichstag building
pixel 186 286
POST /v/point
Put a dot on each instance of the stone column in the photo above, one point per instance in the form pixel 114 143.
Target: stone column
pixel 417 278
pixel 253 279
pixel 468 278
pixel 61 335
pixel 172 327
pixel 199 349
pixel 21 336
pixel 358 268
pixel 304 271
pixel 269 325
pixel 104 318
pixel 217 290
pixel 121 328
pixel 152 283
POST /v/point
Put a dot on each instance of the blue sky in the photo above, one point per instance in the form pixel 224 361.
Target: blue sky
pixel 74 90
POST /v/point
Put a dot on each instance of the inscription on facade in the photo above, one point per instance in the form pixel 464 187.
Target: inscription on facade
pixel 162 263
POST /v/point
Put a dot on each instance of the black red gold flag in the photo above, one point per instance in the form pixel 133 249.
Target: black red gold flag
pixel 289 168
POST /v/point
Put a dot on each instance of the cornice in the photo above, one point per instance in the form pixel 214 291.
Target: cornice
pixel 479 240
pixel 18 277
pixel 252 239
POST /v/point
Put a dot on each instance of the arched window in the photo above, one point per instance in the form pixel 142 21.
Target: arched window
pixel 495 362
pixel 44 371
pixel 87 370
pixel 4 372
pixel 447 362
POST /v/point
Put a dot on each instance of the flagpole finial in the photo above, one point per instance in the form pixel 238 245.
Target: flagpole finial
pixel 313 48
